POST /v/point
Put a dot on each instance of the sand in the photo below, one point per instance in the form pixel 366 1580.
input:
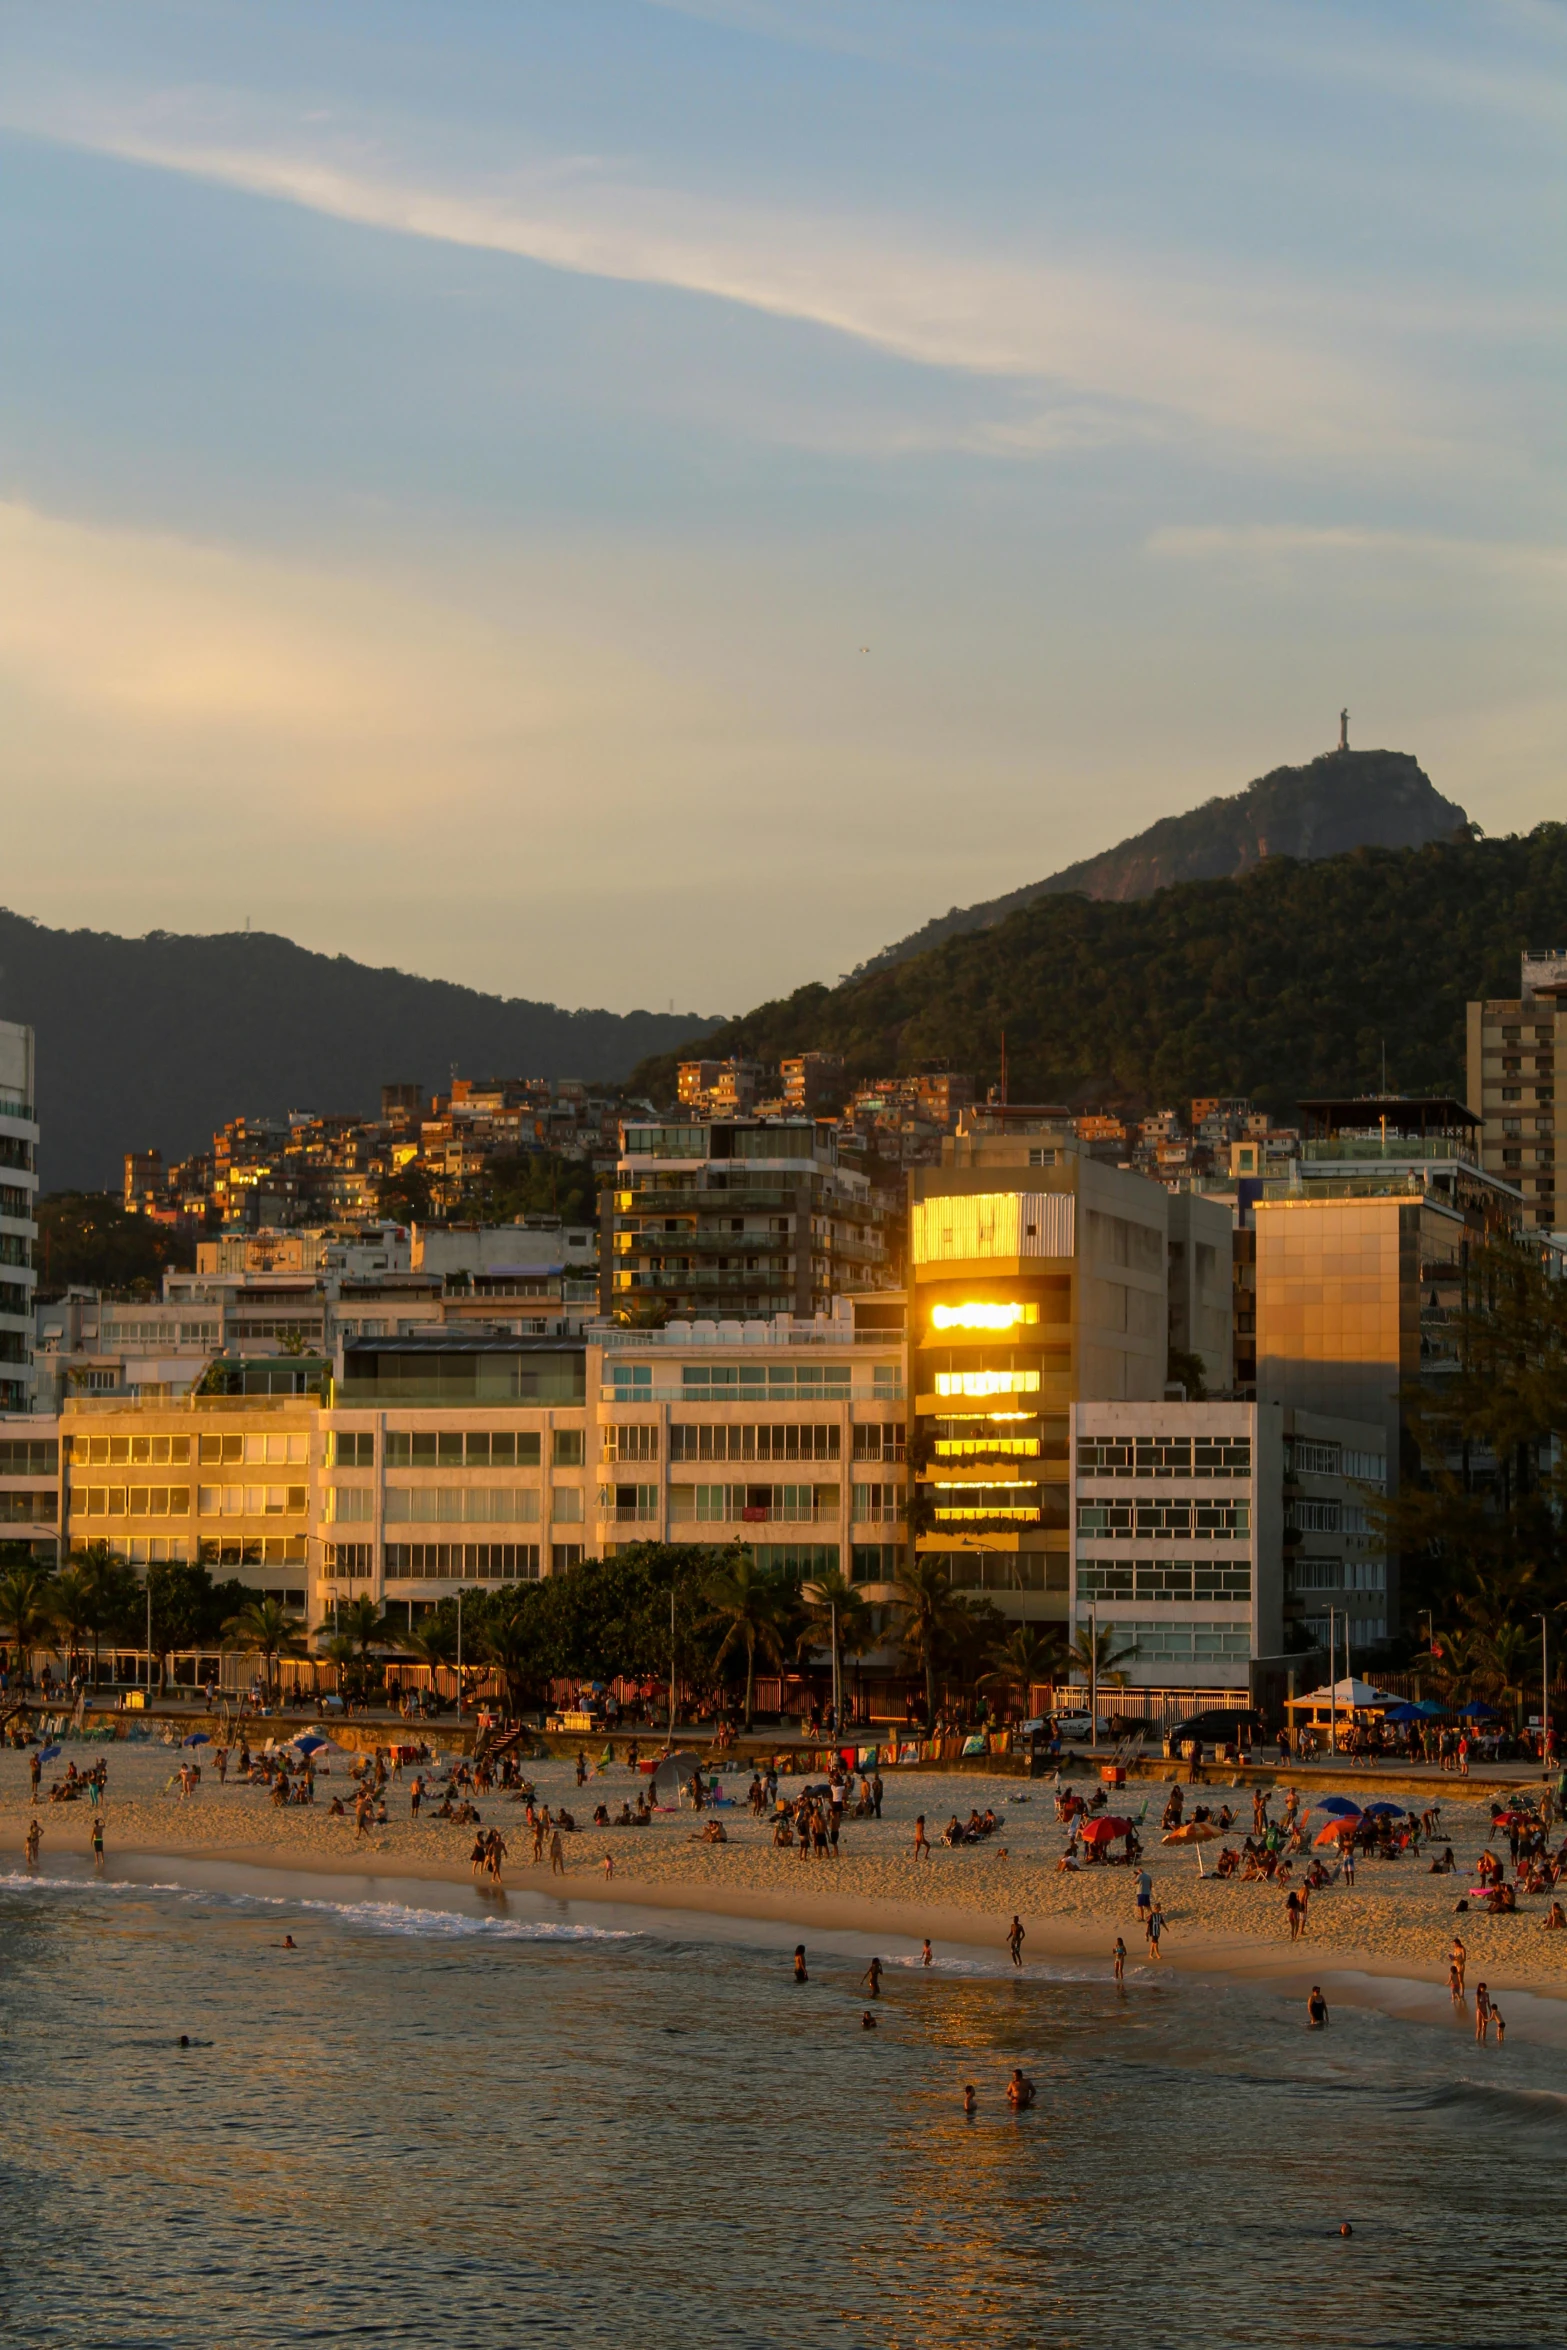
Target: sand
pixel 1397 1919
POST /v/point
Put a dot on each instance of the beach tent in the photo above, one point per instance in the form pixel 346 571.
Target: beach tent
pixel 1348 1695
pixel 673 1776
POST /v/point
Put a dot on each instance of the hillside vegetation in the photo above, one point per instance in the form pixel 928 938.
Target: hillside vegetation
pixel 1282 983
pixel 1344 800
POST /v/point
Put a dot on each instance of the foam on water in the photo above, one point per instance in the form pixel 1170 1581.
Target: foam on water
pixel 395 1917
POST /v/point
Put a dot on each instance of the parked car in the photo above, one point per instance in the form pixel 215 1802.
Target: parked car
pixel 1072 1727
pixel 1220 1727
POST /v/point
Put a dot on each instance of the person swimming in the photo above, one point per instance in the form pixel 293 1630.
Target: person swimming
pixel 1316 2009
pixel 1020 2091
pixel 970 2101
pixel 800 1974
pixel 867 2021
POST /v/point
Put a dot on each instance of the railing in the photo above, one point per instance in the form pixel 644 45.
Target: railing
pixel 708 1243
pixel 195 1403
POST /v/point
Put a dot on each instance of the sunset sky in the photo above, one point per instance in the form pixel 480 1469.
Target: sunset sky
pixel 626 501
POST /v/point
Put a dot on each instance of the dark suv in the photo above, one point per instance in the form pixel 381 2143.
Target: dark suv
pixel 1219 1728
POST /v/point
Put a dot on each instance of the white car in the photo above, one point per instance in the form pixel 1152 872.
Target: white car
pixel 1074 1727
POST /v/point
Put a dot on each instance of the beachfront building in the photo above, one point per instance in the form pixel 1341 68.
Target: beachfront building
pixel 1040 1277
pixel 738 1220
pixel 1211 1541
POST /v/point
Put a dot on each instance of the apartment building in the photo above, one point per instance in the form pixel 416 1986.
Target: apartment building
pixel 738 1219
pixel 1039 1278
pixel 18 1231
pixel 1212 1540
pixel 30 1483
pixel 1512 1052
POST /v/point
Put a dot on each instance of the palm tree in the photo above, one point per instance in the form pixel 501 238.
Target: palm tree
pixel 1456 1663
pixel 432 1643
pixel 506 1642
pixel 26 1599
pixel 338 1650
pixel 71 1606
pixel 835 1610
pixel 928 1607
pixel 1098 1659
pixel 1507 1653
pixel 749 1604
pixel 111 1591
pixel 265 1625
pixel 1020 1662
pixel 362 1622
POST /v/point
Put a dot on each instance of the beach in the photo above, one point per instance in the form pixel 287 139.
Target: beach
pixel 1397 1919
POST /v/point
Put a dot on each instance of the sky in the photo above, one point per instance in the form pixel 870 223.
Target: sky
pixel 644 502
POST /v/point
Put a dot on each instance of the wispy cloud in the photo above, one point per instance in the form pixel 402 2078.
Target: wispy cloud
pixel 1199 353
pixel 1272 543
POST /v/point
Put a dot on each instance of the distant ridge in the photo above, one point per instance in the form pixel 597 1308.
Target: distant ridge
pixel 1343 800
pixel 163 1038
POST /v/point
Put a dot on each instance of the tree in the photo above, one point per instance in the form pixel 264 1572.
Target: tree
pixel 928 1611
pixel 432 1642
pixel 70 1606
pixel 1024 1659
pixel 86 1238
pixel 1097 1658
pixel 506 1641
pixel 338 1650
pixel 749 1604
pixel 265 1627
pixel 184 1614
pixel 110 1596
pixel 26 1605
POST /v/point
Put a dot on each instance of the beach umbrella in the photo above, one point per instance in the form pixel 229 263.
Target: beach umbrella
pixel 1335 1832
pixel 48 1753
pixel 1198 1832
pixel 309 1742
pixel 1386 1811
pixel 1104 1830
pixel 1400 1714
pixel 198 1738
pixel 1477 1711
pixel 1343 1806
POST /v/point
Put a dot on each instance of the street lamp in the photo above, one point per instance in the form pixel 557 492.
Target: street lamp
pixel 459 1652
pixel 817 1593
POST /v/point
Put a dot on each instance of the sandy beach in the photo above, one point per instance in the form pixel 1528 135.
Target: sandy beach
pixel 1397 1919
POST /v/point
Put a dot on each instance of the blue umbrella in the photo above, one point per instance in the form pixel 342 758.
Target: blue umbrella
pixel 308 1742
pixel 48 1753
pixel 1341 1806
pixel 1477 1711
pixel 198 1738
pixel 1386 1811
pixel 1402 1713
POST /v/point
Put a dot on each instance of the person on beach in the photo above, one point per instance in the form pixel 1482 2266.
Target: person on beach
pixel 1501 2028
pixel 34 1839
pixel 557 1856
pixel 1155 1928
pixel 872 1976
pixel 415 1798
pixel 800 1974
pixel 877 1792
pixel 1292 1913
pixel 1556 1920
pixel 1458 1959
pixel 970 2101
pixel 1119 1956
pixel 1015 1939
pixel 35 1772
pixel 609 1866
pixel 1316 2010
pixel 1144 1895
pixel 927 1955
pixel 97 1843
pixel 1482 2012
pixel 1020 2091
pixel 921 1840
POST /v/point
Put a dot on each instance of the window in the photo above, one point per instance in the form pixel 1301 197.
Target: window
pixel 350 1559
pixel 567 1450
pixel 566 1505
pixel 1104 1456
pixel 1164 1456
pixel 631 1380
pixel 351 1505
pixel 29 1457
pixel 29 1509
pixel 721 1504
pixel 878 1440
pixel 772 1382
pixel 350 1451
pixel 807 1440
pixel 1166 1579
pixel 1099 1519
pixel 279 1448
pixel 111 1451
pixel 424 1448
pixel 1366 1468
pixel 1221 1456
pixel 629 1504
pixel 1221 1521
pixel 564 1555
pixel 1314 1459
pixel 1163 1521
pixel 1176 1643
pixel 414 1505
pixel 1104 1579
pixel 629 1443
pixel 1313 1517
pixel 462 1562
pixel 871 1503
pixel 875 1562
pixel 254 1550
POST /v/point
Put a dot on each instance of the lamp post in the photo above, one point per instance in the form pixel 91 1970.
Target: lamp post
pixel 816 1593
pixel 1332 1688
pixel 459 1652
pixel 1093 1680
pixel 149 1634
pixel 1545 1693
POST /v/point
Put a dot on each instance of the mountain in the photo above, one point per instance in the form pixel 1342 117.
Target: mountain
pixel 1344 800
pixel 164 1038
pixel 1282 983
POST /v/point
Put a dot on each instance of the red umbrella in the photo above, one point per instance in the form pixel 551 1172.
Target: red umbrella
pixel 1105 1829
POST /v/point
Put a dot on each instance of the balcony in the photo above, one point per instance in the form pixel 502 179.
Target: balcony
pixel 704 1242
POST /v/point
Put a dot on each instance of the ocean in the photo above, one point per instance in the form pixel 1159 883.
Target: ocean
pixel 451 2119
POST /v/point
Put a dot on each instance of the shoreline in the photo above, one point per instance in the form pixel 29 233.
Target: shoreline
pixel 1206 1951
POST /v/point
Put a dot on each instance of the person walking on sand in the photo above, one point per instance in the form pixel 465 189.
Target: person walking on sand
pixel 1119 1955
pixel 557 1856
pixel 1292 1913
pixel 921 1840
pixel 35 1772
pixel 1144 1896
pixel 1458 1959
pixel 97 1842
pixel 1015 1939
pixel 415 1798
pixel 1155 1929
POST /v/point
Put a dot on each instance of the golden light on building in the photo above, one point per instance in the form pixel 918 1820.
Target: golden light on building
pixel 1011 1382
pixel 979 1314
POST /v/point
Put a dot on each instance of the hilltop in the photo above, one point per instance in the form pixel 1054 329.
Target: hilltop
pixel 164 1038
pixel 1282 983
pixel 1344 800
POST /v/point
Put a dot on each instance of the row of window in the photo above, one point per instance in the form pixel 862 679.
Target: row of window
pixel 1336 1574
pixel 1164 1456
pixel 29 1456
pixel 29 1509
pixel 1312 1456
pixel 1171 1580
pixel 173 1501
pixel 279 1448
pixel 1166 1521
pixel 786 1382
pixel 716 1503
pixel 1176 1643
pixel 1326 1517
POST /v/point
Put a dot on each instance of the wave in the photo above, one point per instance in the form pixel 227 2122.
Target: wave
pixel 396 1917
pixel 1467 2094
pixel 27 1881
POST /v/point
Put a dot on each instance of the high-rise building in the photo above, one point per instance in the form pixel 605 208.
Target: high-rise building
pixel 1513 1043
pixel 738 1219
pixel 18 1230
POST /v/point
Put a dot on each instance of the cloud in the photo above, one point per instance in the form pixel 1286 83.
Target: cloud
pixel 1193 353
pixel 1268 543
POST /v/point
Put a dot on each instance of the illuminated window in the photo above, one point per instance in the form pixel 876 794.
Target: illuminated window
pixel 977 1315
pixel 987 1382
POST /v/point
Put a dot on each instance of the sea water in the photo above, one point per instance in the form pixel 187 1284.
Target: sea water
pixel 461 2120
